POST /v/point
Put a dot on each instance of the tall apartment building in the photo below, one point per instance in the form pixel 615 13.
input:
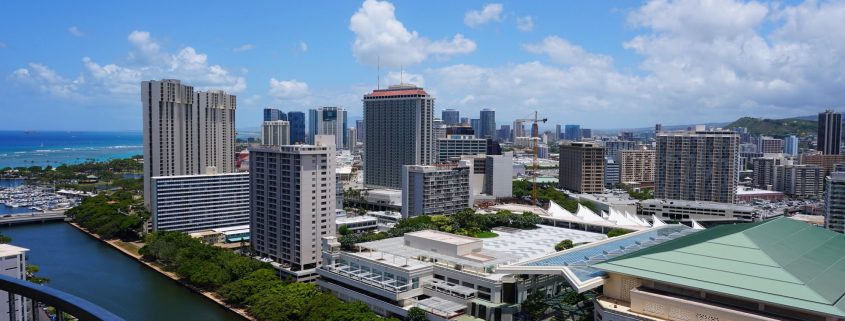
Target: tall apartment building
pixel 613 147
pixel 475 123
pixel 434 190
pixel 297 127
pixel 834 202
pixel 637 165
pixel 13 265
pixel 697 165
pixel 802 181
pixel 399 132
pixel 586 133
pixel 582 167
pixel 765 174
pixel 518 130
pixel 791 145
pixel 185 132
pixel 827 162
pixel 769 145
pixel 572 132
pixel 455 146
pixel 558 132
pixel 440 130
pixel 292 192
pixel 498 175
pixel 359 130
pixel 450 116
pixel 272 114
pixel 192 203
pixel 328 121
pixel 829 132
pixel 275 132
pixel 504 133
pixel 488 123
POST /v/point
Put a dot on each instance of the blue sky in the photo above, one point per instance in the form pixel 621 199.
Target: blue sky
pixel 601 64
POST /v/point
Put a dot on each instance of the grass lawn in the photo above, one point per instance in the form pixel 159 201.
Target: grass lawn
pixel 485 235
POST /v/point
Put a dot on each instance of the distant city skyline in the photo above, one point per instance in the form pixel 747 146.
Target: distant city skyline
pixel 513 57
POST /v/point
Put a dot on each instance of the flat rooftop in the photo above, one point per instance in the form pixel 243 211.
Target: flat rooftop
pixel 449 238
pixel 531 244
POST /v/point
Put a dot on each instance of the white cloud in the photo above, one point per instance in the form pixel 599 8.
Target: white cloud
pixel 244 47
pixel 74 30
pixel 393 78
pixel 489 13
pixel 562 51
pixel 289 89
pixel 379 36
pixel 303 47
pixel 525 24
pixel 120 81
pixel 760 61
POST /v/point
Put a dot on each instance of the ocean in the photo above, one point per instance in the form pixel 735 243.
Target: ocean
pixel 42 148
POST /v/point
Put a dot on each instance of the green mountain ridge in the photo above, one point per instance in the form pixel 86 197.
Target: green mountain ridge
pixel 778 128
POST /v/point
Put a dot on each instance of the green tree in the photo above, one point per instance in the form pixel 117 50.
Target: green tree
pixel 343 230
pixel 31 270
pixel 416 314
pixel 5 239
pixel 237 292
pixel 535 305
pixel 564 245
pixel 617 232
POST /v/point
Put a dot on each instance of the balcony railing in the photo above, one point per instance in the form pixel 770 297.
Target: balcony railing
pixel 33 296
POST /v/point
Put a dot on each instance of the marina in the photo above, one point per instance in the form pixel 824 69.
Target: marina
pixel 38 198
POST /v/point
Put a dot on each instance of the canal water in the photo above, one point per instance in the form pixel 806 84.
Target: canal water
pixel 83 266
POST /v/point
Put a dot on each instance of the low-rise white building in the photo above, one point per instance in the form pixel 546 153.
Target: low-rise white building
pixel 13 264
pixel 191 203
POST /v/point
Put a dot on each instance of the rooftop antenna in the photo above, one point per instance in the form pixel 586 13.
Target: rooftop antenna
pixel 378 73
pixel 402 75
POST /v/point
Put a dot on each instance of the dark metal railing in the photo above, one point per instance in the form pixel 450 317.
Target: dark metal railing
pixel 61 301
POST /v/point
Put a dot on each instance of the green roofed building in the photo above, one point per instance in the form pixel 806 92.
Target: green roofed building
pixel 774 270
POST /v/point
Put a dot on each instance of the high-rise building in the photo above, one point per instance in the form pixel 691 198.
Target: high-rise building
pixel 637 165
pixel 13 265
pixel 765 175
pixel 272 114
pixel 558 132
pixel 498 175
pixel 829 132
pixel 504 133
pixel 611 171
pixel 697 166
pixel 434 190
pixel 572 132
pixel 328 121
pixel 769 145
pixel 658 128
pixel 475 123
pixel 518 130
pixel 627 135
pixel 464 120
pixel 440 130
pixel 352 136
pixel 586 133
pixel 191 203
pixel 359 130
pixel 535 130
pixel 791 145
pixel 399 124
pixel 613 147
pixel 275 132
pixel 454 146
pixel 185 131
pixel 801 181
pixel 488 123
pixel 292 193
pixel 834 202
pixel 297 127
pixel 450 116
pixel 582 167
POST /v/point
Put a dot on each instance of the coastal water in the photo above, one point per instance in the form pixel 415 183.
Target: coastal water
pixel 11 210
pixel 25 148
pixel 80 265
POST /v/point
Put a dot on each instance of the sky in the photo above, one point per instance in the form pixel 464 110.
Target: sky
pixel 602 64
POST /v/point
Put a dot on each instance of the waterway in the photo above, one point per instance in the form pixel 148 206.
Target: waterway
pixel 83 266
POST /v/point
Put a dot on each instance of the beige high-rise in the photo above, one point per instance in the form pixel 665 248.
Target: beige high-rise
pixel 186 132
pixel 637 165
pixel 697 166
pixel 582 167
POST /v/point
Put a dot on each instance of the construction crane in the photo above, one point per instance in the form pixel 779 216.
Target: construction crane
pixel 535 141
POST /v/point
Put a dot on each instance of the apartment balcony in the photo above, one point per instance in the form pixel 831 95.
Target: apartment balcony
pixel 31 299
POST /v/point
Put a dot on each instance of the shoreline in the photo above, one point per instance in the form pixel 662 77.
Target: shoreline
pixel 210 295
